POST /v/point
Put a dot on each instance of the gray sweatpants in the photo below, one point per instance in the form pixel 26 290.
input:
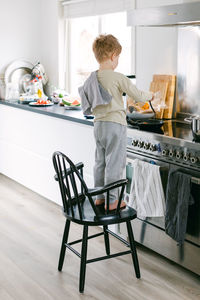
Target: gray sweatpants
pixel 110 155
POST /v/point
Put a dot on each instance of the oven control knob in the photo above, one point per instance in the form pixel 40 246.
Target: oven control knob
pixel 146 146
pixel 193 159
pixel 179 154
pixel 140 144
pixel 186 157
pixel 134 142
pixel 171 153
pixel 153 147
pixel 165 152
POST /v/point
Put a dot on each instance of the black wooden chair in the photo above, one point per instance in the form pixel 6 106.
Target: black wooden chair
pixel 79 207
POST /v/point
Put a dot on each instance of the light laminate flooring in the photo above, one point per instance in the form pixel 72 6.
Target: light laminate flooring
pixel 31 229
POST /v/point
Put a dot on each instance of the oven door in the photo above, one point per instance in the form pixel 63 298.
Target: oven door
pixel 164 170
pixel 193 221
pixel 151 232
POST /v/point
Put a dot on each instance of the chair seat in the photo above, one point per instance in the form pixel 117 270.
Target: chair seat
pixel 104 218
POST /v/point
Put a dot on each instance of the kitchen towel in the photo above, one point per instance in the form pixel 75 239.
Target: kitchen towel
pixel 93 94
pixel 178 198
pixel 146 193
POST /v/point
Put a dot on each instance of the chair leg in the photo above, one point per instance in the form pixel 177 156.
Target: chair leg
pixel 63 248
pixel 83 259
pixel 133 249
pixel 106 239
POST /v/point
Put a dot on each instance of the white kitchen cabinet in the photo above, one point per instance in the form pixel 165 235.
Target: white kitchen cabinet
pixel 27 142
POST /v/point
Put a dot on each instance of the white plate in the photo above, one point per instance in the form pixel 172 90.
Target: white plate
pixel 39 105
pixel 16 72
pixel 15 65
pixel 73 107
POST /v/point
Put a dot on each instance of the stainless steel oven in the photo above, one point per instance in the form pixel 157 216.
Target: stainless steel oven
pixel 150 232
pixel 193 224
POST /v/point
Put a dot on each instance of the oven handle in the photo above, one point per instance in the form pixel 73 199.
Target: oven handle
pixel 162 168
pixel 195 180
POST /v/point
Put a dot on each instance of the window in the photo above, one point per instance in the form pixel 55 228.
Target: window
pixel 81 34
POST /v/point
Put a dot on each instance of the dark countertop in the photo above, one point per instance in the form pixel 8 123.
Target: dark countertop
pixel 170 129
pixel 56 111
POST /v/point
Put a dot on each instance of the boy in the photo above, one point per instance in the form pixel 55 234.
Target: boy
pixel 101 95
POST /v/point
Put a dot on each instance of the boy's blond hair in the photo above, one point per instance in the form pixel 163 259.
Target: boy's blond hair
pixel 104 46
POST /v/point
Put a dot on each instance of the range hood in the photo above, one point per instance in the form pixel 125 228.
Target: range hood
pixel 171 15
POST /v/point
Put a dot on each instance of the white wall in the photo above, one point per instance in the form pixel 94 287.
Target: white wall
pixel 29 30
pixel 19 31
pixel 51 23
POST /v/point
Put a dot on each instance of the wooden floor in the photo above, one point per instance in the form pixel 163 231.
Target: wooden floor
pixel 31 228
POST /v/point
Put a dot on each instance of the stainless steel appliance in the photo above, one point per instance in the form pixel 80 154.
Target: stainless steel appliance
pixel 168 15
pixel 195 125
pixel 186 18
pixel 188 70
pixel 171 147
pixel 15 77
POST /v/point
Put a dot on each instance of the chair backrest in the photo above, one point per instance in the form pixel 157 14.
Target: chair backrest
pixel 72 185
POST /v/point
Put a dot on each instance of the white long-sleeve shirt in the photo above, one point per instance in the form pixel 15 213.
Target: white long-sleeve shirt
pixel 116 83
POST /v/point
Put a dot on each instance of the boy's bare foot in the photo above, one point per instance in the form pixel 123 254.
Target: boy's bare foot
pixel 99 201
pixel 113 206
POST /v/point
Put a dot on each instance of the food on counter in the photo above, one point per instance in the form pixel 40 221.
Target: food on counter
pixel 140 107
pixel 40 101
pixel 146 106
pixel 57 96
pixel 58 93
pixel 76 102
pixel 70 101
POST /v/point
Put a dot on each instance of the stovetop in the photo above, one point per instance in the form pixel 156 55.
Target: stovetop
pixel 173 142
pixel 174 129
pixel 177 129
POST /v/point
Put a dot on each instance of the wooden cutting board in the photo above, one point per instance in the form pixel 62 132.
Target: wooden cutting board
pixel 162 87
pixel 169 100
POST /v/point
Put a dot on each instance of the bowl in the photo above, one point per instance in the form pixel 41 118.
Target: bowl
pixel 56 100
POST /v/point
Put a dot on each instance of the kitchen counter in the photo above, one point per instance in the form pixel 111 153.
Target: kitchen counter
pixel 55 110
pixel 30 135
